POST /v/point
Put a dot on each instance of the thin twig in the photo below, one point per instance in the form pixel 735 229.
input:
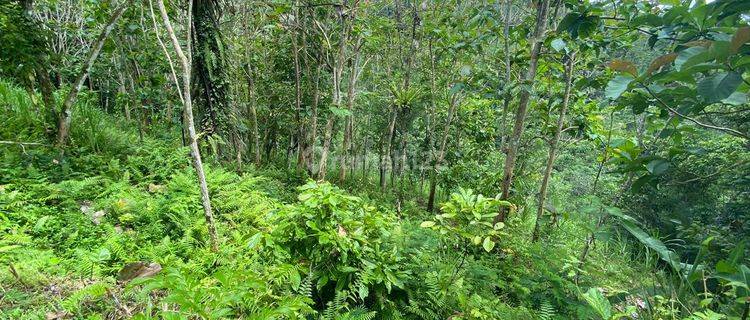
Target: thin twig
pixel 693 120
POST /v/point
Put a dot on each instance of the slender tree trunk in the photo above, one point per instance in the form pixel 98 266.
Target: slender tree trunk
pixel 326 146
pixel 166 52
pixel 349 127
pixel 506 86
pixel 188 113
pixel 253 116
pixel 66 114
pixel 511 157
pixel 313 134
pixel 386 155
pixel 47 90
pixel 298 96
pixel 553 146
pixel 441 154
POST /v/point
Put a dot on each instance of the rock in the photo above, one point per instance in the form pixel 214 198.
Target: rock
pixel 97 216
pixel 87 209
pixel 138 270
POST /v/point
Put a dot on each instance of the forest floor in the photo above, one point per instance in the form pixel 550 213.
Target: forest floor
pixel 114 230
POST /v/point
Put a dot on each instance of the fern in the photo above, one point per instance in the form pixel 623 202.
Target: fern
pixel 91 292
pixel 546 310
pixel 334 306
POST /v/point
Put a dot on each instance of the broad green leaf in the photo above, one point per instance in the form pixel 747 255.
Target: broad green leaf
pixel 736 99
pixel 254 241
pixel 488 244
pixel 340 112
pixel 720 50
pixel 664 253
pixel 465 71
pixel 691 56
pixel 427 224
pixel 617 86
pixel 657 166
pixel 558 44
pixel 719 86
pixel 599 303
pixel 295 280
pixel 476 240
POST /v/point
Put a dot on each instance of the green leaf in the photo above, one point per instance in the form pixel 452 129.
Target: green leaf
pixel 617 86
pixel 340 112
pixel 558 44
pixel 658 166
pixel 599 303
pixel 664 253
pixel 488 244
pixel 690 57
pixel 719 86
pixel 476 240
pixel 295 280
pixel 321 282
pixel 8 248
pixel 427 224
pixel 254 241
pixel 736 99
pixel 465 71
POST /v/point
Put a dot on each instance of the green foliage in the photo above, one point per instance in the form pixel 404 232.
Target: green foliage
pixel 470 218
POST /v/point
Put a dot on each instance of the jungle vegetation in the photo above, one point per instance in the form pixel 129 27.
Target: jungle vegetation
pixel 374 159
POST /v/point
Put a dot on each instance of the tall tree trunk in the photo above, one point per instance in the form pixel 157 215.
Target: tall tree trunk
pixel 350 96
pixel 209 70
pixel 166 52
pixel 553 146
pixel 506 86
pixel 511 157
pixel 254 118
pixel 386 154
pixel 47 90
pixel 188 113
pixel 328 136
pixel 313 132
pixel 441 154
pixel 66 114
pixel 298 96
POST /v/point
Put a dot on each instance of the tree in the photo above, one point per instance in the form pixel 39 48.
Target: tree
pixel 66 114
pixel 188 114
pixel 518 127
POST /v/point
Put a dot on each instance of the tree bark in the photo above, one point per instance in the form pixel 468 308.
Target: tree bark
pixel 194 150
pixel 328 136
pixel 66 114
pixel 441 154
pixel 507 95
pixel 298 95
pixel 511 157
pixel 166 53
pixel 386 154
pixel 349 126
pixel 553 146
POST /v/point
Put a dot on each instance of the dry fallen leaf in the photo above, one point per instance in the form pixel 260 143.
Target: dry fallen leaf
pixel 138 270
pixel 57 315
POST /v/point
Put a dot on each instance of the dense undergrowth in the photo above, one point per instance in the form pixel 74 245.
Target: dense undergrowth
pixel 292 249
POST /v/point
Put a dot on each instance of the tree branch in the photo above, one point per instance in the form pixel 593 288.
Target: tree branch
pixel 693 120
